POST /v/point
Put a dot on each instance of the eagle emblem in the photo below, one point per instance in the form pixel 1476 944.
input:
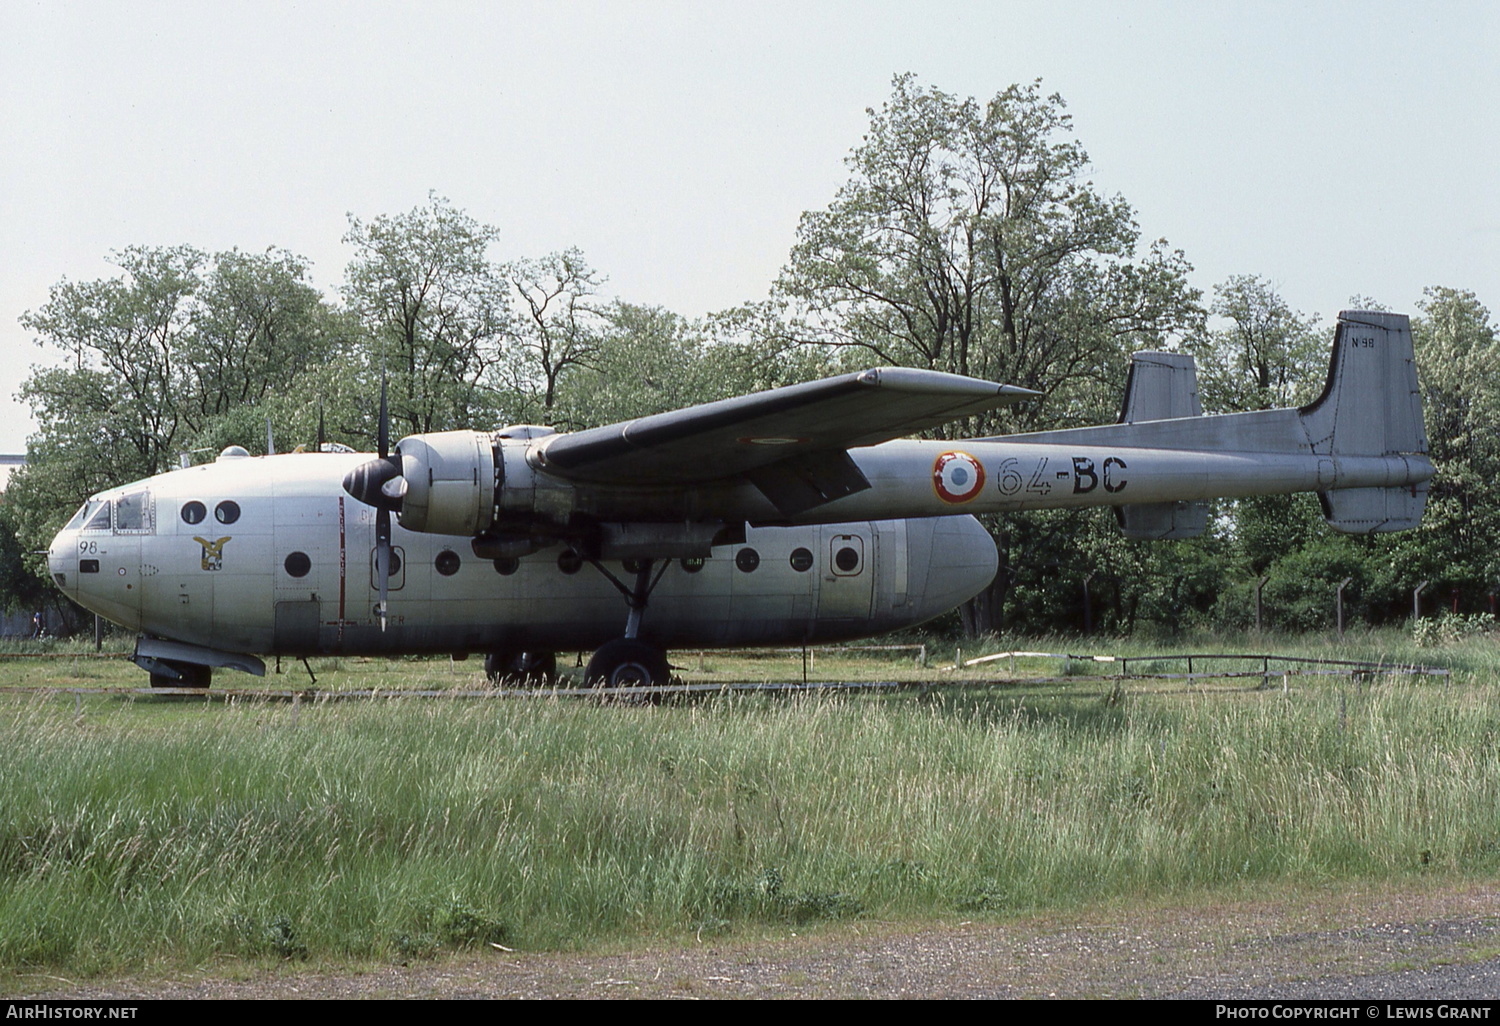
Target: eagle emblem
pixel 213 552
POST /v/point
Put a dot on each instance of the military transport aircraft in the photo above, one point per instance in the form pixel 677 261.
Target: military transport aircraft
pixel 794 515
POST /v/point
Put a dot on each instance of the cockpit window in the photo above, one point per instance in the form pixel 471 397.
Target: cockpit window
pixel 99 519
pixel 133 513
pixel 79 517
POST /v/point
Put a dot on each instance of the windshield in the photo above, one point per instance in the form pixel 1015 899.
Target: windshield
pixel 98 518
pixel 78 518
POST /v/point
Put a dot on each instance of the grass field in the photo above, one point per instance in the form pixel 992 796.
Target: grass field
pixel 152 831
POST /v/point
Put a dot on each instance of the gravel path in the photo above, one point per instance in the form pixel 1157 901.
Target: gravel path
pixel 1427 943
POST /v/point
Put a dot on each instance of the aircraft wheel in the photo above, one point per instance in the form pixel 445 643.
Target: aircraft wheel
pixel 627 662
pixel 535 668
pixel 193 676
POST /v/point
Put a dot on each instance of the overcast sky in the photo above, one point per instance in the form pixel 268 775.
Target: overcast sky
pixel 1334 148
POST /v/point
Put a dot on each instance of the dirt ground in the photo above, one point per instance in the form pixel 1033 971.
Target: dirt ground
pixel 1420 942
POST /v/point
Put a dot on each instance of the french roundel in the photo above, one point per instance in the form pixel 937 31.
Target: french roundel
pixel 957 477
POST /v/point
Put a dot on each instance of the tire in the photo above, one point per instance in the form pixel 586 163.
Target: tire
pixel 628 662
pixel 193 676
pixel 534 669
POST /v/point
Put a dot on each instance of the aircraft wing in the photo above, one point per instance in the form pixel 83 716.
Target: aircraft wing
pixel 790 441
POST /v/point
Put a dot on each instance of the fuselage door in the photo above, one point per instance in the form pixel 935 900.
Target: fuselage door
pixel 845 584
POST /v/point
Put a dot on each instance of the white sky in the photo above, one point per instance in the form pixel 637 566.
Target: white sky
pixel 1335 148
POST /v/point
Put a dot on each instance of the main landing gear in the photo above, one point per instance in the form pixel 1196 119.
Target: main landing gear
pixel 630 661
pixel 622 663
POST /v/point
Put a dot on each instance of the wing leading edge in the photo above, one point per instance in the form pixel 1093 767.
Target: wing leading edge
pixel 790 441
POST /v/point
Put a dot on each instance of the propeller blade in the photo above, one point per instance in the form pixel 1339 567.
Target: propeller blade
pixel 384 443
pixel 382 560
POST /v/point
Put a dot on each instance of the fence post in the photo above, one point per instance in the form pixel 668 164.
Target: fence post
pixel 1416 600
pixel 1340 602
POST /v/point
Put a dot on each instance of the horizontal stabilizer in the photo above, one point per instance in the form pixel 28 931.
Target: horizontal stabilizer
pixel 1374 510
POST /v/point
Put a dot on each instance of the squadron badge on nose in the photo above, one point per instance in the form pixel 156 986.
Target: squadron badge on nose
pixel 213 552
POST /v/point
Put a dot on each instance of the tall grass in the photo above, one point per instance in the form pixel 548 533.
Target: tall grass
pixel 391 830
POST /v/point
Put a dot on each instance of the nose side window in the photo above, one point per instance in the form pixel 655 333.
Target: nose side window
pixel 133 513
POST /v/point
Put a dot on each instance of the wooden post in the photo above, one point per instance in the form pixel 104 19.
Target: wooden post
pixel 1340 604
pixel 1416 600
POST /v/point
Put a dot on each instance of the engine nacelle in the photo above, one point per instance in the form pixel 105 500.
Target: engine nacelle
pixel 450 482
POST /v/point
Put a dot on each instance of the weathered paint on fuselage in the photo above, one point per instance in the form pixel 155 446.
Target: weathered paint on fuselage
pixel 269 555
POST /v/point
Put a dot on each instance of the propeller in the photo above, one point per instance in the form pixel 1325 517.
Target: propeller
pixel 379 483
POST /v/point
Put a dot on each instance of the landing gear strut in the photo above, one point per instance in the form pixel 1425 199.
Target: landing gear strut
pixel 629 661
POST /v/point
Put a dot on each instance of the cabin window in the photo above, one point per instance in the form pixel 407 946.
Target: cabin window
pixel 692 564
pixel 193 512
pixel 747 560
pixel 802 560
pixel 507 565
pixel 846 559
pixel 298 564
pixel 569 562
pixel 447 562
pixel 227 512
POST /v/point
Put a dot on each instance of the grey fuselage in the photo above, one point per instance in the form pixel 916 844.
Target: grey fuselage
pixel 269 555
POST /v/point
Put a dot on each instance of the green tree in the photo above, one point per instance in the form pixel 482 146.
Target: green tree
pixel 557 325
pixel 1264 354
pixel 256 324
pixel 435 310
pixel 1458 362
pixel 970 239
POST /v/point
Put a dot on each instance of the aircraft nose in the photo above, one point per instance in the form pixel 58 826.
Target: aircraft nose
pixel 64 576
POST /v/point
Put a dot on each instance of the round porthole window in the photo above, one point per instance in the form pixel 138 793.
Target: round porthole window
pixel 298 564
pixel 227 512
pixel 747 560
pixel 447 562
pixel 569 561
pixel 846 559
pixel 193 512
pixel 692 564
pixel 801 560
pixel 507 565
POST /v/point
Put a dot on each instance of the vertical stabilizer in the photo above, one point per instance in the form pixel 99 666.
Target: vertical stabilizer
pixel 1371 406
pixel 1161 386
